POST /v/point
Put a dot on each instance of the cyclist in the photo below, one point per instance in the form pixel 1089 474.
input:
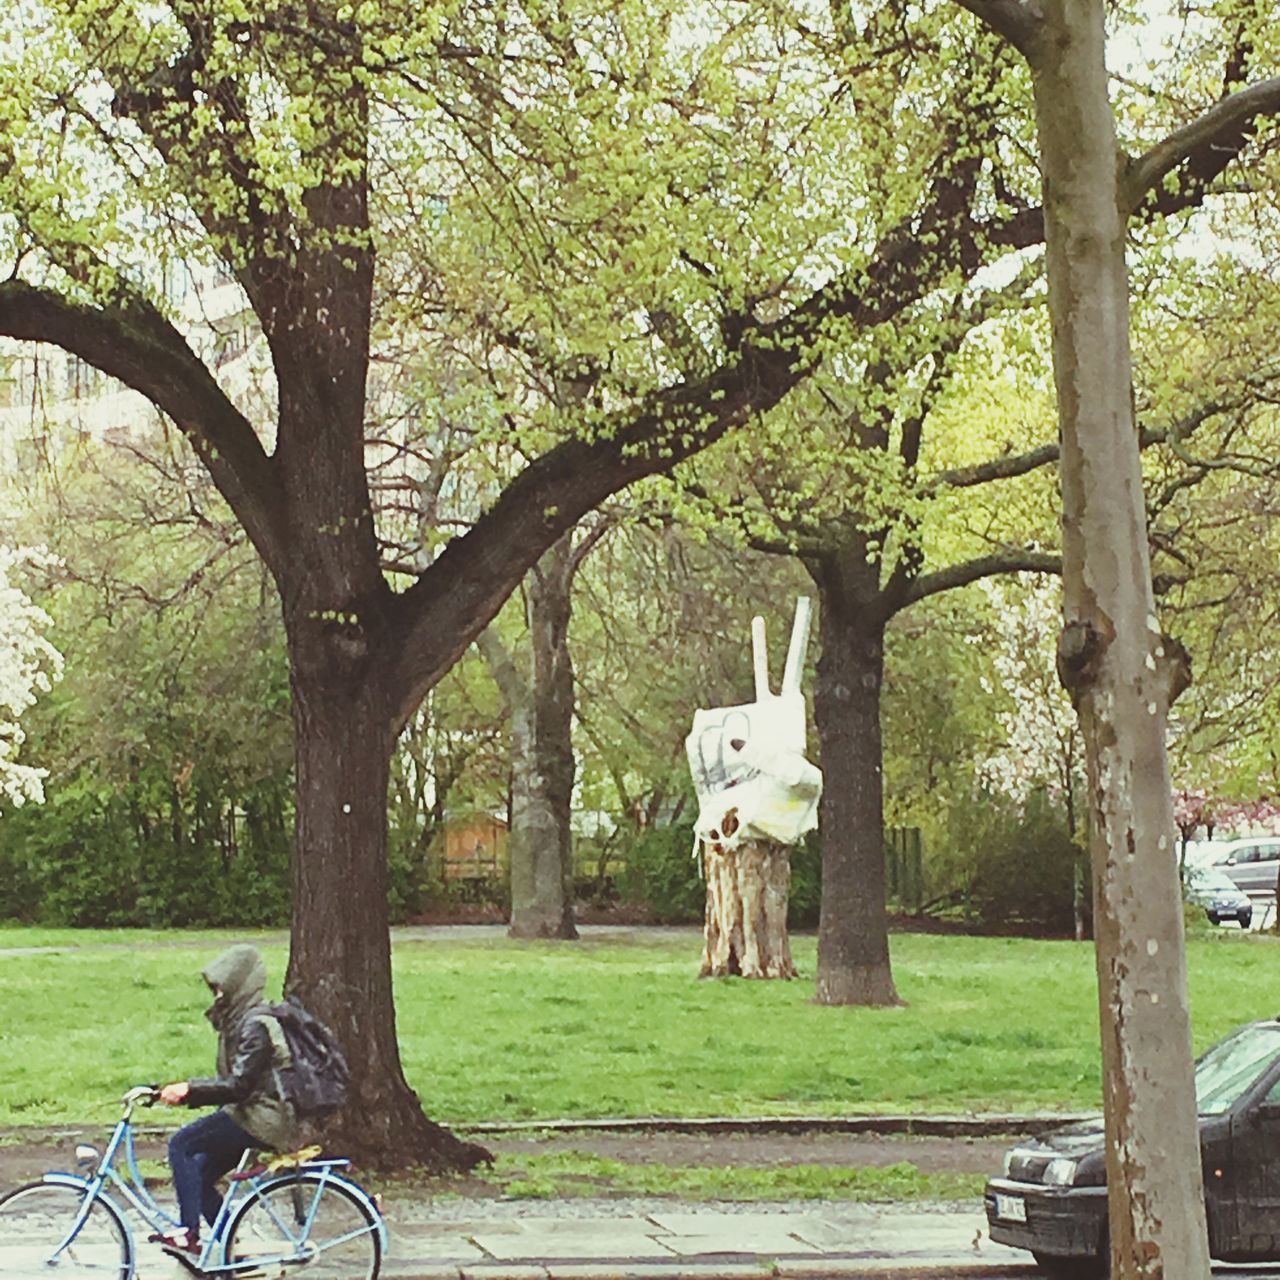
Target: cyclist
pixel 253 1114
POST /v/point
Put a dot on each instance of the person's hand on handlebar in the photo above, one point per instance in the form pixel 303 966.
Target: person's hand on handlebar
pixel 174 1095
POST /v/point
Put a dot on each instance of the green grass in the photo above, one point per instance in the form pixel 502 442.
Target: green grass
pixel 507 1031
pixel 16 935
pixel 573 1173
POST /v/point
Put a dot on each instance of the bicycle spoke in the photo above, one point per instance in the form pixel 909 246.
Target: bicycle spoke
pixel 307 1222
pixel 37 1240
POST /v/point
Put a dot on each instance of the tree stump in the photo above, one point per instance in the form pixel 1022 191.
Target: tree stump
pixel 745 930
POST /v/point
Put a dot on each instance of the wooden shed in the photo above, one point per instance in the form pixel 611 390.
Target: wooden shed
pixel 475 847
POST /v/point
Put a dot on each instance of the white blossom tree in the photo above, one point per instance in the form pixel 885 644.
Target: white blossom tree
pixel 1042 745
pixel 29 664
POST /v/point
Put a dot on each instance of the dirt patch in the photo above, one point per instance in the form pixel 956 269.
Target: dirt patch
pixel 24 1156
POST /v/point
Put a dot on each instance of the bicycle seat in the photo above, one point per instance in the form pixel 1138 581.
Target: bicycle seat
pixel 292 1159
pixel 274 1164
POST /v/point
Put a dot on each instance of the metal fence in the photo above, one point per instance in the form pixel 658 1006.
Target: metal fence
pixel 904 868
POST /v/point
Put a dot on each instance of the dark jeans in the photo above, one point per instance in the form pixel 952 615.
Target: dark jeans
pixel 199 1154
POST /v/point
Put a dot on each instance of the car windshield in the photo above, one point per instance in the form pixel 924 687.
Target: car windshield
pixel 1206 879
pixel 1207 853
pixel 1232 1065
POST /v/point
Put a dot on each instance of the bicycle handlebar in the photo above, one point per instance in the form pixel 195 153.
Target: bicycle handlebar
pixel 142 1093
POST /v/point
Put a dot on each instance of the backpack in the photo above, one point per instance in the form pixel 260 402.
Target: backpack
pixel 316 1078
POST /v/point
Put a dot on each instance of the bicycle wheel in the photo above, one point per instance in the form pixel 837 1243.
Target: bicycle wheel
pixel 304 1220
pixel 35 1220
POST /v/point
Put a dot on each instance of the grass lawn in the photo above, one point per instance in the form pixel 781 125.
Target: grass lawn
pixel 501 1030
pixel 575 1174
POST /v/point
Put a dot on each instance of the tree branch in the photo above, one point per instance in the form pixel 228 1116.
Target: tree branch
pixel 1206 145
pixel 960 575
pixel 1018 21
pixel 464 588
pixel 588 541
pixel 1005 467
pixel 135 344
pixel 512 683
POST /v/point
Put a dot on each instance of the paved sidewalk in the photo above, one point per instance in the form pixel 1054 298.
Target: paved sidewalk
pixel 665 1240
pixel 672 1241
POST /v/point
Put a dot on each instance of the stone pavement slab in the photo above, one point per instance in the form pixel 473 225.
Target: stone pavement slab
pixel 666 1271
pixel 747 1233
pixel 550 1238
pixel 657 1242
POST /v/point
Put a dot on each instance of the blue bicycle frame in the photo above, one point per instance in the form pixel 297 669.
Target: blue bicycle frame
pixel 131 1186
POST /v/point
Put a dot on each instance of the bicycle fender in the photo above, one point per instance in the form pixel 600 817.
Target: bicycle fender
pixel 66 1180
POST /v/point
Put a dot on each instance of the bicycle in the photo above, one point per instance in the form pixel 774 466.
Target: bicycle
pixel 297 1212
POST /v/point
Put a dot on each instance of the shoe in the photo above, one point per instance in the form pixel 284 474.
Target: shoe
pixel 183 1247
pixel 180 1241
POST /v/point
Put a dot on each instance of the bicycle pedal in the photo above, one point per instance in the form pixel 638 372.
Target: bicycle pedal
pixel 264 1271
pixel 187 1261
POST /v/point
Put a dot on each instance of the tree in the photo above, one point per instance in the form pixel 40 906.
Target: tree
pixel 855 485
pixel 1122 672
pixel 864 549
pixel 139 139
pixel 167 740
pixel 29 664
pixel 540 702
pixel 1042 746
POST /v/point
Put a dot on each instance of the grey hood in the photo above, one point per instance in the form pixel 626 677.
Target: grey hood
pixel 242 976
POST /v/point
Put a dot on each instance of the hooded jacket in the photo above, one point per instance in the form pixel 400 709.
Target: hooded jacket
pixel 251 1049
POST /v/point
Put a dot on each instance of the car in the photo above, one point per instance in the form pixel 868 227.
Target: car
pixel 1203 853
pixel 1251 862
pixel 1051 1197
pixel 1212 889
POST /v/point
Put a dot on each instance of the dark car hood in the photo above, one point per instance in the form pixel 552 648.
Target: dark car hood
pixel 1075 1140
pixel 1083 1141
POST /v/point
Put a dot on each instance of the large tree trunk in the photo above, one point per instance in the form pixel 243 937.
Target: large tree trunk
pixel 853 928
pixel 340 960
pixel 1122 673
pixel 347 707
pixel 745 929
pixel 543 768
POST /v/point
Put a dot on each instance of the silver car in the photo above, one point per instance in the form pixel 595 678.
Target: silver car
pixel 1251 862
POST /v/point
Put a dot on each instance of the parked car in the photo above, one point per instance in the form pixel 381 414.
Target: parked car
pixel 1203 853
pixel 1251 862
pixel 1052 1198
pixel 1212 889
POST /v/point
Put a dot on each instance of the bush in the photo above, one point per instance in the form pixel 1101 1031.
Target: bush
pixel 661 874
pixel 805 902
pixel 146 854
pixel 662 877
pixel 1010 867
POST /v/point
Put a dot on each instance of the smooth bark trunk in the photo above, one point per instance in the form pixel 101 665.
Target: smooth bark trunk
pixel 1122 673
pixel 543 768
pixel 853 928
pixel 745 930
